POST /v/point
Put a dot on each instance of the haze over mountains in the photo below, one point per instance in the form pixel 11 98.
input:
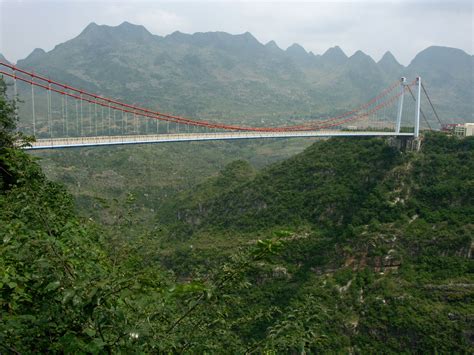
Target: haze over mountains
pixel 216 75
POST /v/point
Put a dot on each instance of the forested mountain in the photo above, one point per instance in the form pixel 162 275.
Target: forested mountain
pixel 335 184
pixel 377 244
pixel 235 77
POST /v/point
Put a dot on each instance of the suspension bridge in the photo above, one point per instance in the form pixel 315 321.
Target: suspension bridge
pixel 61 116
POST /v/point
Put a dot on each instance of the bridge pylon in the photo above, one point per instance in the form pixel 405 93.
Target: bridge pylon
pixel 418 107
pixel 400 104
pixel 403 85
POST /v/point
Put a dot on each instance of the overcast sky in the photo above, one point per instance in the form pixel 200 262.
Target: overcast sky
pixel 402 26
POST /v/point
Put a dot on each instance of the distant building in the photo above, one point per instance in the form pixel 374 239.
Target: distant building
pixel 469 129
pixel 449 127
pixel 464 130
pixel 459 130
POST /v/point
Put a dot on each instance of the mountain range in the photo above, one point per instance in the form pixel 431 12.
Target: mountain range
pixel 216 75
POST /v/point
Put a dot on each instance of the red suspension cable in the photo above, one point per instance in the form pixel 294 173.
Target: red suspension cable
pixel 126 108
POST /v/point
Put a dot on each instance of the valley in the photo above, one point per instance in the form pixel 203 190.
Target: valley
pixel 265 246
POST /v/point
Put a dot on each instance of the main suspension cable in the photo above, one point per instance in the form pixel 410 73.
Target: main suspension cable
pixel 431 104
pixel 421 110
pixel 178 119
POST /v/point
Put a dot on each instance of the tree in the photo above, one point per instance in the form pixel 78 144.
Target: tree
pixel 9 139
pixel 7 118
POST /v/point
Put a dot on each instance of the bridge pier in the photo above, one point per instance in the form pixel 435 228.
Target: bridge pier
pixel 406 144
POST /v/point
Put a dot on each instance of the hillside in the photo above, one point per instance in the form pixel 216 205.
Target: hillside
pixel 376 244
pixel 216 75
pixel 336 183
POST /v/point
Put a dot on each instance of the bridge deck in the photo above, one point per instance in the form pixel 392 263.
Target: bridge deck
pixel 54 143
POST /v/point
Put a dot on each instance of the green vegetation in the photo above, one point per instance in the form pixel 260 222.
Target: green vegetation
pixel 378 244
pixel 349 246
pixel 320 186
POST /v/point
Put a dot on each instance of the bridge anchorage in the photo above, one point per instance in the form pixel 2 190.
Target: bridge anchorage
pixel 63 116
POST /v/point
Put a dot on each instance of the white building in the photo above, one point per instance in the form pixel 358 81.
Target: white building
pixel 464 130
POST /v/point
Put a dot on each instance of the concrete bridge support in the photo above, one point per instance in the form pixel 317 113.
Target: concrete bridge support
pixel 406 144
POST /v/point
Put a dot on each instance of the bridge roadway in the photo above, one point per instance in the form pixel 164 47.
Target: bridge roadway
pixel 70 142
